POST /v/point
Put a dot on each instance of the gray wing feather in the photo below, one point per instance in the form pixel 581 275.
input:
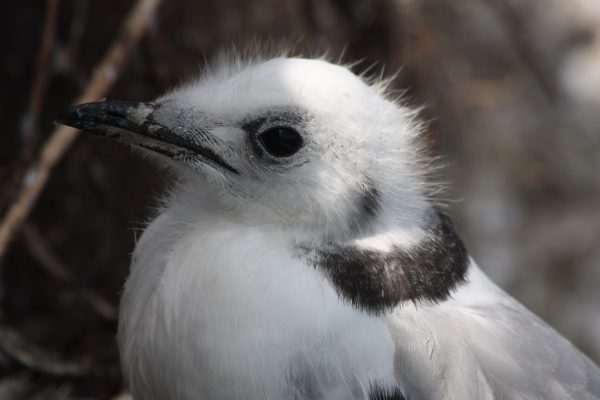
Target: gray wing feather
pixel 485 345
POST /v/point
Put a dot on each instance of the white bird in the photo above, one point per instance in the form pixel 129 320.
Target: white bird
pixel 300 254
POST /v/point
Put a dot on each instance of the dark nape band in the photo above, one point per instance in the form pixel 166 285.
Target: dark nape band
pixel 376 281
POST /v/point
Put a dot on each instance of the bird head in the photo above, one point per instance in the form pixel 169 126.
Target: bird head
pixel 285 141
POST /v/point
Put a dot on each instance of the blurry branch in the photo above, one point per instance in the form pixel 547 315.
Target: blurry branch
pixel 34 359
pixel 15 386
pixel 76 29
pixel 36 97
pixel 40 251
pixel 55 393
pixel 123 396
pixel 62 137
pixel 37 88
pixel 65 57
pixel 517 31
pixel 55 268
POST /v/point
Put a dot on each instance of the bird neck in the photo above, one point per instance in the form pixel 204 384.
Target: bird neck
pixel 389 262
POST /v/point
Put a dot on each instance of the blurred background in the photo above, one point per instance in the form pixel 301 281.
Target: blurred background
pixel 511 90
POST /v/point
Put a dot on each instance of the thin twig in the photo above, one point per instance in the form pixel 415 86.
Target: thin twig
pixel 62 137
pixel 16 386
pixel 41 252
pixel 123 396
pixel 36 97
pixel 65 57
pixel 52 392
pixel 37 88
pixel 525 48
pixel 54 267
pixel 35 359
pixel 77 29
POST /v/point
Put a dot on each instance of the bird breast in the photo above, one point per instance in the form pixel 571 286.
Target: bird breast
pixel 230 312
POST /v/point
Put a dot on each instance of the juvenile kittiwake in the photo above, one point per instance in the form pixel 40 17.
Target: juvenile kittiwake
pixel 300 253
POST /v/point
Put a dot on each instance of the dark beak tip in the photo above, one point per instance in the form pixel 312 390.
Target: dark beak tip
pixel 72 116
pixel 64 117
pixel 81 116
pixel 67 118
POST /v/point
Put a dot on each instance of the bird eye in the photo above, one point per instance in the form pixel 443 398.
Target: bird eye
pixel 281 141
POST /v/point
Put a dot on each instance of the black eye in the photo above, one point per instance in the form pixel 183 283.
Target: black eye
pixel 281 141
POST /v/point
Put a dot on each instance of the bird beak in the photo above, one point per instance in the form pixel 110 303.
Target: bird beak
pixel 134 123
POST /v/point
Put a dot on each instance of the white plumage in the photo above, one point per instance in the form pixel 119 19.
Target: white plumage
pixel 300 254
